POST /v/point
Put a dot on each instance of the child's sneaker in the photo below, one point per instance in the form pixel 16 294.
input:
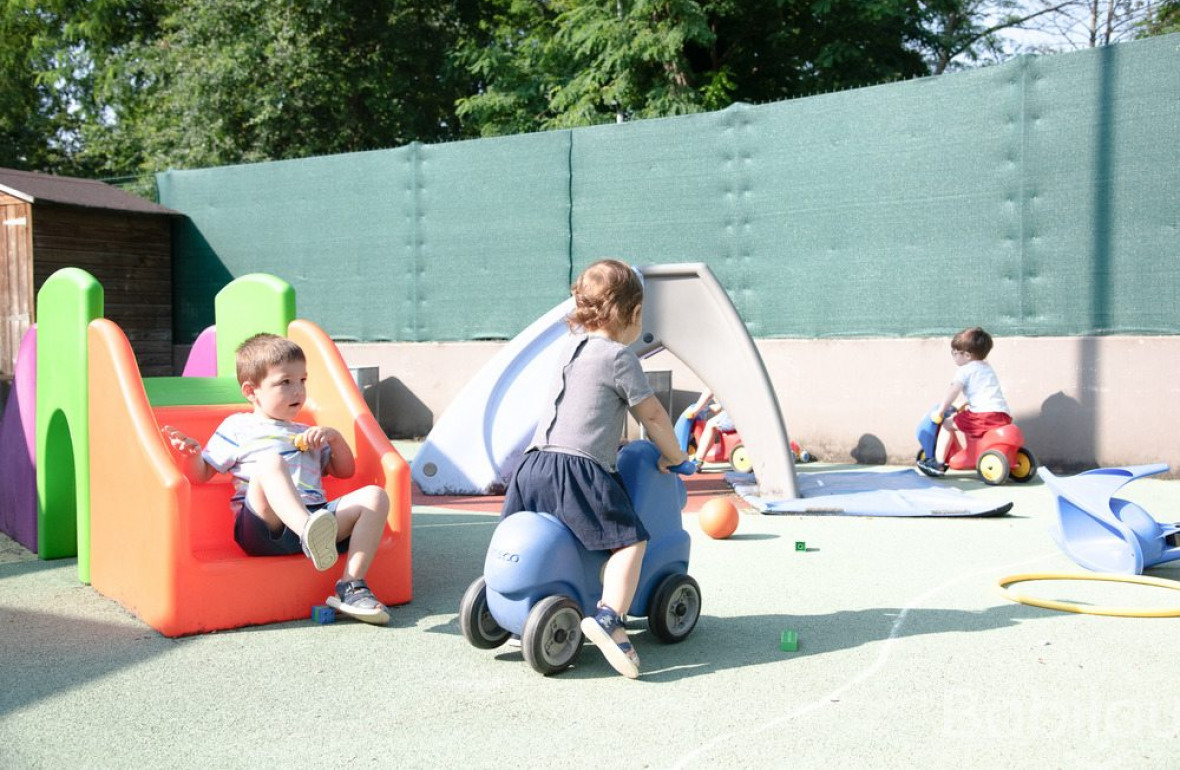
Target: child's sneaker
pixel 931 467
pixel 621 655
pixel 319 539
pixel 354 598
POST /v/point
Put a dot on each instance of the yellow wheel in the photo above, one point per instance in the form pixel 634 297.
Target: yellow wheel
pixel 1025 467
pixel 739 458
pixel 993 467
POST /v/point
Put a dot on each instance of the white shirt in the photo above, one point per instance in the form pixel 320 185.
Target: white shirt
pixel 243 438
pixel 981 387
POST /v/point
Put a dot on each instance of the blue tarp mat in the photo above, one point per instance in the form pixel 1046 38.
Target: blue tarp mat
pixel 868 493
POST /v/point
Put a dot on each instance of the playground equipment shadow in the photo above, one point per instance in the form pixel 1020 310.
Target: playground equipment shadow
pixel 908 657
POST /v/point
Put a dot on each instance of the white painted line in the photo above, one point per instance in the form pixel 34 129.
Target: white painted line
pixel 877 665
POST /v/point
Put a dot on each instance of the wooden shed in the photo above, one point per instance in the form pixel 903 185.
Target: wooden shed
pixel 124 241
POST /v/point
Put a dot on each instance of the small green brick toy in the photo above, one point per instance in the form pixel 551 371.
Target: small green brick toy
pixel 789 641
pixel 800 545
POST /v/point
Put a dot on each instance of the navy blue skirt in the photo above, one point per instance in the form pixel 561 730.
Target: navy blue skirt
pixel 587 498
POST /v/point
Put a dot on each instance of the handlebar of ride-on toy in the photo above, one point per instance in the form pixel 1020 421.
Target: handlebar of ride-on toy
pixel 938 419
pixel 928 429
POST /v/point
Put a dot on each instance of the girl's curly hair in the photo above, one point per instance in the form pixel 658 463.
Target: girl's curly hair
pixel 607 295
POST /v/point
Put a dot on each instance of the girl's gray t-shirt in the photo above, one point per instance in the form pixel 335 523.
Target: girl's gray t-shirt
pixel 586 409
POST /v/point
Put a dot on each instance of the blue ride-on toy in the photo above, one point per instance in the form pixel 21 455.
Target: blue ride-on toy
pixel 539 582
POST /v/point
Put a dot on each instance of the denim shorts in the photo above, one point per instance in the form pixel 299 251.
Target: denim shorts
pixel 256 539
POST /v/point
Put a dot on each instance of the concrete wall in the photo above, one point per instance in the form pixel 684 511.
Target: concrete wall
pixel 1082 402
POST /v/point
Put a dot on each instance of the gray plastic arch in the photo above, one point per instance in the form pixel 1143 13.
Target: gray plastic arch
pixel 479 440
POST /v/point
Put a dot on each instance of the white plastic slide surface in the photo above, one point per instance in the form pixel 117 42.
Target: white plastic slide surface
pixel 478 441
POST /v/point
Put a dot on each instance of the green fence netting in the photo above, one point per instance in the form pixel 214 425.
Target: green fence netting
pixel 1037 197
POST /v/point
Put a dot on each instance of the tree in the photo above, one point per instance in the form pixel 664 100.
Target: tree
pixel 232 81
pixel 578 62
pixel 1164 19
pixel 779 49
pixel 1091 23
pixel 36 124
pixel 125 87
pixel 961 33
pixel 114 87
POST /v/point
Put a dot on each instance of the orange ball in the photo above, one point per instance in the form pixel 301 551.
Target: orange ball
pixel 718 518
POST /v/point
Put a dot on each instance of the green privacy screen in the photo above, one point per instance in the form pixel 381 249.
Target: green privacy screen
pixel 1038 197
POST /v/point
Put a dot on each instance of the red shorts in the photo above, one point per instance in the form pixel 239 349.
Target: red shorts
pixel 975 424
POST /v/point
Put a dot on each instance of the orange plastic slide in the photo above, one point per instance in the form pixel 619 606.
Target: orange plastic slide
pixel 163 547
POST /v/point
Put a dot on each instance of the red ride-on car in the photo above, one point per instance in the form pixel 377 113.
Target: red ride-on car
pixel 726 448
pixel 997 456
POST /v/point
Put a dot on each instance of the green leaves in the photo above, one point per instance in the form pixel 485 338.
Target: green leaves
pixel 121 87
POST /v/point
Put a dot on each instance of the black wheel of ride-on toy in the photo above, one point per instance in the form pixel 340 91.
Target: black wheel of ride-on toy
pixel 1025 467
pixel 675 608
pixel 476 622
pixel 993 467
pixel 552 638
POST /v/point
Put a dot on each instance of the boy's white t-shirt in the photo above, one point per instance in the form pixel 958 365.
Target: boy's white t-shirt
pixel 981 387
pixel 243 438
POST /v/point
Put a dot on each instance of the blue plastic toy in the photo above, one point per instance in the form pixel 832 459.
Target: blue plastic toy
pixel 539 582
pixel 1104 533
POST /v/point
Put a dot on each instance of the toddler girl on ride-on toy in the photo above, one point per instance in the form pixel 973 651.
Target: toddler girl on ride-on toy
pixel 570 470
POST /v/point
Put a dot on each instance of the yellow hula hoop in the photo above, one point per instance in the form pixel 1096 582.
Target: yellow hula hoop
pixel 1122 612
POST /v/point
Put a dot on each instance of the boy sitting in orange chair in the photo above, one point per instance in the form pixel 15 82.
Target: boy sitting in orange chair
pixel 277 467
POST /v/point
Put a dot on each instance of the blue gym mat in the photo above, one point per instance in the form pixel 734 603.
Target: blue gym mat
pixel 866 493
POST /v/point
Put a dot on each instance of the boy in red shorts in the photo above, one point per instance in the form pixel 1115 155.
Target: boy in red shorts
pixel 975 380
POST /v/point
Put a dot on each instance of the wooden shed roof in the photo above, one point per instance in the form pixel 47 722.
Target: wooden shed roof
pixel 70 191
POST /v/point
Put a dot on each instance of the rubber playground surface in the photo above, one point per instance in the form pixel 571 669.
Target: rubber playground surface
pixel 908 656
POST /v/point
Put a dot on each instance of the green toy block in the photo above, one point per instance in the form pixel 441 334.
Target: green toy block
pixel 789 641
pixel 322 613
pixel 800 545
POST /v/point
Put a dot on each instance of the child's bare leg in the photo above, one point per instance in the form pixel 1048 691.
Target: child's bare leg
pixel 706 441
pixel 620 579
pixel 950 438
pixel 606 629
pixel 273 497
pixel 361 515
